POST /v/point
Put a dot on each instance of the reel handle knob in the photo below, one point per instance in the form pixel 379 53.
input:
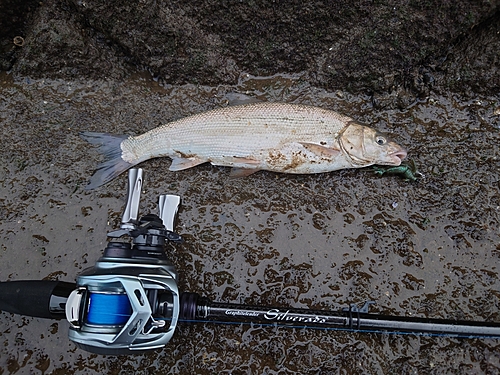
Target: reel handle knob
pixel 168 206
pixel 131 212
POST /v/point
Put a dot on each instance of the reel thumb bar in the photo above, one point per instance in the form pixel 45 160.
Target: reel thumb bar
pixel 38 298
pixel 194 307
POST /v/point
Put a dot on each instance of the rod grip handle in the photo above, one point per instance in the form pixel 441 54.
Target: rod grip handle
pixel 37 298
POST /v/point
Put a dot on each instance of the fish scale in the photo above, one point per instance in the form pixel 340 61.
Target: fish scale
pixel 280 137
pixel 249 128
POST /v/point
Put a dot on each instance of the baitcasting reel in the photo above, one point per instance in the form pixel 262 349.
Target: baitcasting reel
pixel 129 301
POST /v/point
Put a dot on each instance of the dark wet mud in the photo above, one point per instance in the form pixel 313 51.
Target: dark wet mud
pixel 428 248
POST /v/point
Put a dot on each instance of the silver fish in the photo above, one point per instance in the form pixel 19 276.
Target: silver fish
pixel 279 137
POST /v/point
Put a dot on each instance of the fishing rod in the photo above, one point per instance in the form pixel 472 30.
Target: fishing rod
pixel 129 302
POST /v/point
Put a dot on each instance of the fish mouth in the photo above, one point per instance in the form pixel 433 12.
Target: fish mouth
pixel 398 156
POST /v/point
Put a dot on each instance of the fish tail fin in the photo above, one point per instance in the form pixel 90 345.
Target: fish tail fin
pixel 113 165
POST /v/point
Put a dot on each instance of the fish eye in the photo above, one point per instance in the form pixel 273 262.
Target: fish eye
pixel 380 140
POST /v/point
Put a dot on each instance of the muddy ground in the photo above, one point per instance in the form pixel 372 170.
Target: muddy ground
pixel 428 248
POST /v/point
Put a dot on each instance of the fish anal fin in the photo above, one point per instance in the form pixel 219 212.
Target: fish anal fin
pixel 321 150
pixel 178 164
pixel 242 172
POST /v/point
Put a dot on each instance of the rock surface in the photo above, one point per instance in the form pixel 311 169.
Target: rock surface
pixel 396 50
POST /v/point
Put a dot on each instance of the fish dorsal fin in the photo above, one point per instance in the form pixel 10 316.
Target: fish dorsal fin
pixel 178 164
pixel 242 172
pixel 321 150
pixel 234 98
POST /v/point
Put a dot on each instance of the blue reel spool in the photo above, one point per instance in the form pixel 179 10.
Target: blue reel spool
pixel 108 309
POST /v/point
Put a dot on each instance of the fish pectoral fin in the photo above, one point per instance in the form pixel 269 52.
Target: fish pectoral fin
pixel 236 162
pixel 241 166
pixel 242 160
pixel 321 150
pixel 242 172
pixel 178 164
